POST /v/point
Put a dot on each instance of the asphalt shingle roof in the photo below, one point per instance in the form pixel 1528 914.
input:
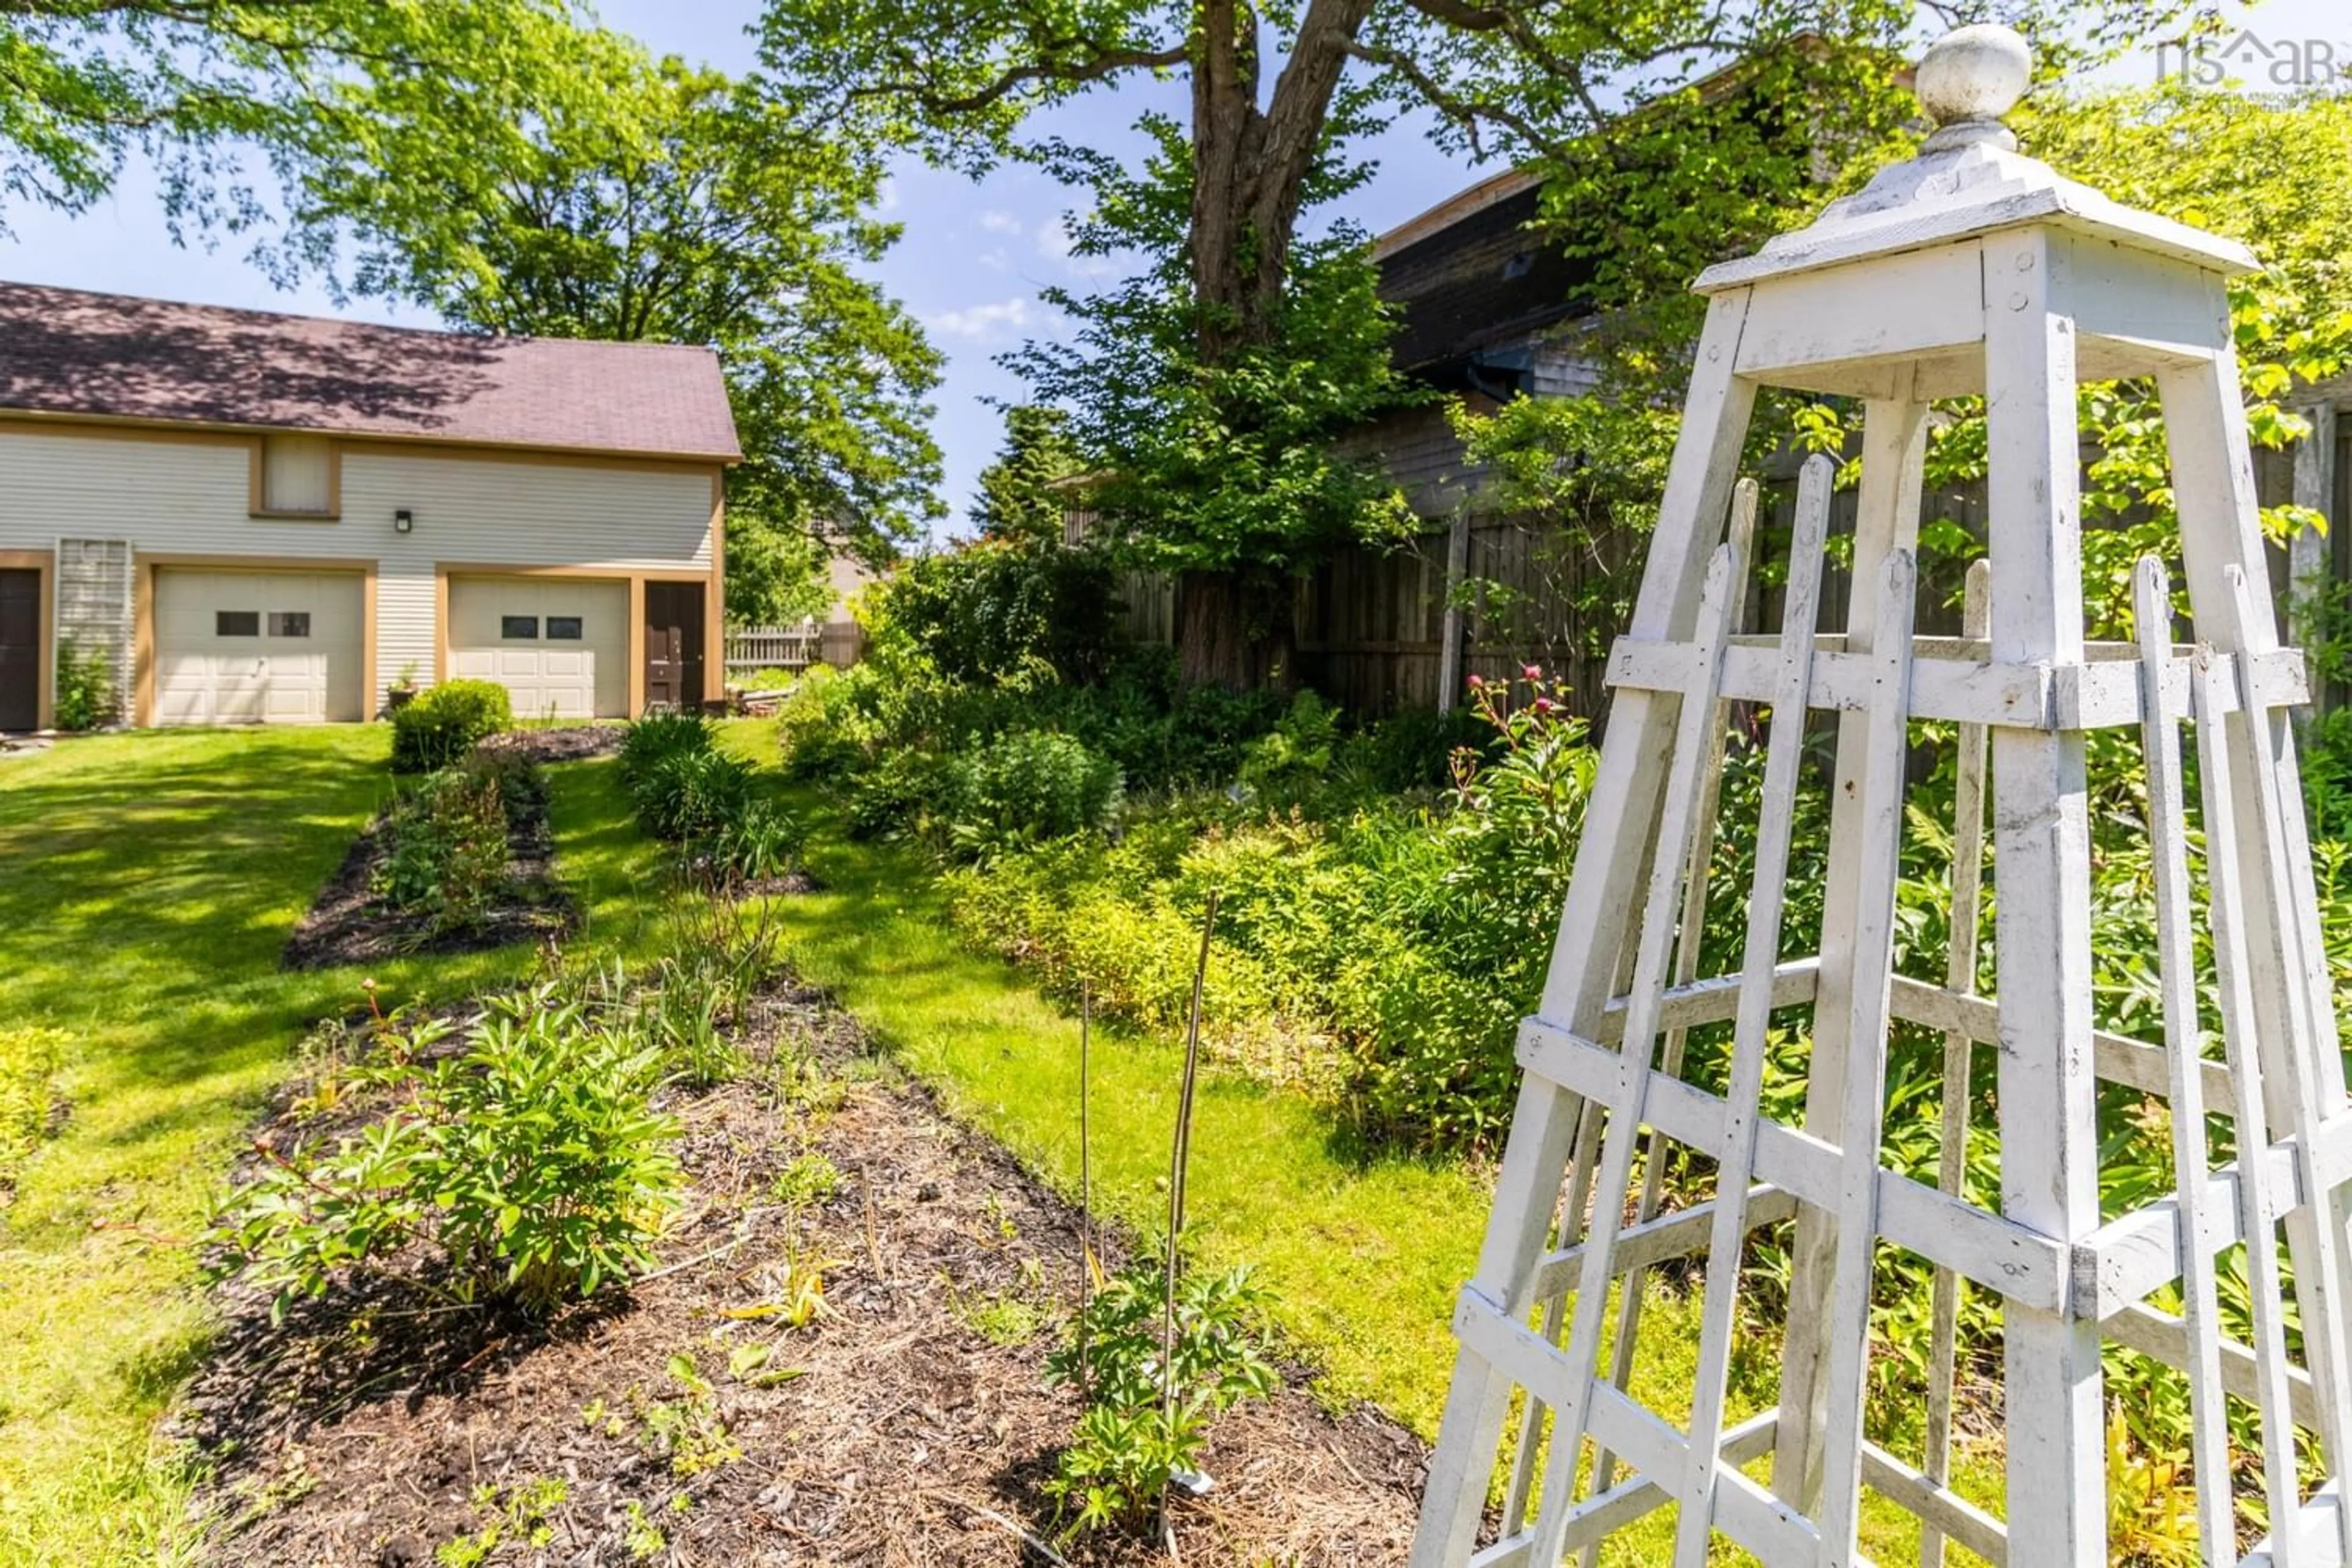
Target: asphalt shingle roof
pixel 65 351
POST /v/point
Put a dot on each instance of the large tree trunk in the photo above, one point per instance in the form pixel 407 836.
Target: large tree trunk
pixel 1250 164
pixel 1234 631
pixel 1249 172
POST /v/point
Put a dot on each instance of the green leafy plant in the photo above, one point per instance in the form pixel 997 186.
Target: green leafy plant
pixel 810 1178
pixel 1148 1413
pixel 1027 786
pixel 693 794
pixel 447 841
pixel 687 1431
pixel 85 693
pixel 529 1166
pixel 1288 766
pixel 654 740
pixel 446 723
pixel 763 843
pixel 30 1058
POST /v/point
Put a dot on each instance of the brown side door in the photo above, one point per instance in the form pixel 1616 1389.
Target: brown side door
pixel 20 649
pixel 673 645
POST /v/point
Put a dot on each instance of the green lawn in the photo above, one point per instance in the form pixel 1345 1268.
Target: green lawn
pixel 147 882
pixel 146 885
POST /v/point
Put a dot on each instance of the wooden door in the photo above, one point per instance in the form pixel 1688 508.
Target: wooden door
pixel 20 649
pixel 673 645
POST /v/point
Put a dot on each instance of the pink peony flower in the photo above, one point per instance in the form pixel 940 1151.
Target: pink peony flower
pixel 1532 672
pixel 1476 681
pixel 1545 704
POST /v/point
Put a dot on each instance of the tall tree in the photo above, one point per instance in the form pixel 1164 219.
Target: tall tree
pixel 1514 78
pixel 86 83
pixel 1025 493
pixel 1225 471
pixel 673 205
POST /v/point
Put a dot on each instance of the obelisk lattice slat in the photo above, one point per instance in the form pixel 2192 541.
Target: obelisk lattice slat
pixel 1968 271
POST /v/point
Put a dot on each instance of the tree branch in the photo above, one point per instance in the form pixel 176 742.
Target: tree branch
pixel 1101 63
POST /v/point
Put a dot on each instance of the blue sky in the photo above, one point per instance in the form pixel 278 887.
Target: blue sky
pixel 972 259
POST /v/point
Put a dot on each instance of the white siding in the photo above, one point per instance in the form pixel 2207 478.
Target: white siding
pixel 192 497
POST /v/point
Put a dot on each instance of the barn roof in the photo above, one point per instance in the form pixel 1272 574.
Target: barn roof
pixel 112 356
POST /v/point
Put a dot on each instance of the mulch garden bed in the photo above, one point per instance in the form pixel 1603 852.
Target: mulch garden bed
pixel 561 743
pixel 910 1423
pixel 350 924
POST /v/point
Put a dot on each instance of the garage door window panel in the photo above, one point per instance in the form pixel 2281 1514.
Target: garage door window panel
pixel 289 623
pixel 563 628
pixel 518 629
pixel 237 623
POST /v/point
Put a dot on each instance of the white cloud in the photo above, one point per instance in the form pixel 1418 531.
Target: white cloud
pixel 1055 242
pixel 886 196
pixel 998 221
pixel 997 259
pixel 983 323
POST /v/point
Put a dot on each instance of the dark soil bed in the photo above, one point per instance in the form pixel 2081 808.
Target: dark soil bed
pixel 350 923
pixel 910 1423
pixel 560 743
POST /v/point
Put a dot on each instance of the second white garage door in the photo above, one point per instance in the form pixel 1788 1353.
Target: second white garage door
pixel 559 645
pixel 252 647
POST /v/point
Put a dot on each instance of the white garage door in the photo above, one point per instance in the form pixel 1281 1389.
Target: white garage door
pixel 257 647
pixel 559 645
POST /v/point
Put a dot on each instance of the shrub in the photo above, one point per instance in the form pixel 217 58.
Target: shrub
pixel 447 836
pixel 445 722
pixel 530 1166
pixel 693 794
pixel 819 727
pixel 1026 786
pixel 85 697
pixel 1411 749
pixel 1131 1437
pixel 894 793
pixel 654 740
pixel 977 613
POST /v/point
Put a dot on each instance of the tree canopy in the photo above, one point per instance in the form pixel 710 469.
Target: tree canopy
pixel 86 83
pixel 1282 326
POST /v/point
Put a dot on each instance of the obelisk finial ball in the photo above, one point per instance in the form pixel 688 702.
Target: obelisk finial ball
pixel 1974 73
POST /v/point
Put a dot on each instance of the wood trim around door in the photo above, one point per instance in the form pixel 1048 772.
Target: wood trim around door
pixel 45 562
pixel 714 606
pixel 636 648
pixel 142 615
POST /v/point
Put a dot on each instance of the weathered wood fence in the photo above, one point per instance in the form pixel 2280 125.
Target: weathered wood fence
pixel 837 643
pixel 1379 630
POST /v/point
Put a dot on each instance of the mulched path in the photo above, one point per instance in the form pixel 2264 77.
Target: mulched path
pixel 891 1431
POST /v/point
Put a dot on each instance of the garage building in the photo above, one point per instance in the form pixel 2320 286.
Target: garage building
pixel 262 518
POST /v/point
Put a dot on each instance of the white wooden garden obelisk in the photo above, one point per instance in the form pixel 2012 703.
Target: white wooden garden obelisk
pixel 1970 270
